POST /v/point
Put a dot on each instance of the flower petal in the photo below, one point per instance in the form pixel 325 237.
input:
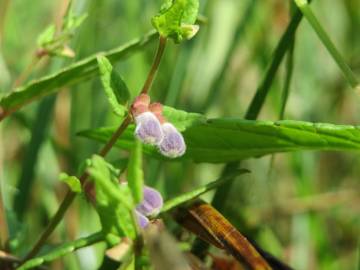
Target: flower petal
pixel 173 144
pixel 152 202
pixel 141 219
pixel 148 128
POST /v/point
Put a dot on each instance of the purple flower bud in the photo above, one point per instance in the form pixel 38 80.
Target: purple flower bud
pixel 152 202
pixel 148 128
pixel 141 219
pixel 173 144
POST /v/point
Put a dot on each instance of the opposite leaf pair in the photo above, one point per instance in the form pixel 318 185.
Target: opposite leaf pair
pixel 152 128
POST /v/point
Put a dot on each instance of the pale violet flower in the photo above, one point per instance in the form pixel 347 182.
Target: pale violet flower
pixel 142 220
pixel 173 144
pixel 148 128
pixel 150 206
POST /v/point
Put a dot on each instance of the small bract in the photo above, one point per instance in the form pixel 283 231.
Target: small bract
pixel 173 144
pixel 148 128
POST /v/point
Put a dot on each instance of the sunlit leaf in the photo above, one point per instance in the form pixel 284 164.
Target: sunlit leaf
pixel 72 181
pixel 80 71
pixel 115 88
pixel 135 172
pixel 46 36
pixel 176 19
pixel 113 201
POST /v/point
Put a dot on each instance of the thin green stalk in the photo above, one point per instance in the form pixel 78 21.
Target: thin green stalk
pixel 285 92
pixel 199 247
pixel 63 250
pixel 304 6
pixel 155 65
pixel 70 196
pixel 261 93
pixel 288 77
pixel 4 233
pixel 38 134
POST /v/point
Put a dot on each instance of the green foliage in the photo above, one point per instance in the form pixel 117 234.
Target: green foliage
pixel 310 16
pixel 52 43
pixel 62 250
pixel 113 201
pixel 176 19
pixel 196 192
pixel 114 86
pixel 135 172
pixel 72 181
pixel 80 71
pixel 182 119
pixel 230 139
pixel 46 36
pixel 294 199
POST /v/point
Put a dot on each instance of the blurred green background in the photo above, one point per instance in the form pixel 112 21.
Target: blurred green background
pixel 302 207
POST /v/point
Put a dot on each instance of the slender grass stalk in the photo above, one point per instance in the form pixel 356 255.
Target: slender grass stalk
pixel 261 93
pixel 200 247
pixel 305 8
pixel 4 233
pixel 63 250
pixel 39 132
pixel 70 196
pixel 288 77
pixel 285 93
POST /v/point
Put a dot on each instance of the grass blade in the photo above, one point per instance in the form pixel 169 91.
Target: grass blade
pixel 278 55
pixel 175 202
pixel 63 250
pixel 325 39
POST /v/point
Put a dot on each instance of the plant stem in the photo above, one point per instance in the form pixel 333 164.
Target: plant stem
pixel 303 5
pixel 155 65
pixel 27 71
pixel 200 247
pixel 278 55
pixel 63 250
pixel 55 220
pixel 70 196
pixel 288 77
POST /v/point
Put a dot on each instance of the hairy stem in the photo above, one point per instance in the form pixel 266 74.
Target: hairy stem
pixel 70 196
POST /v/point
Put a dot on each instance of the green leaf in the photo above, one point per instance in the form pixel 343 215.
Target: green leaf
pixel 114 203
pixel 72 21
pixel 62 250
pixel 182 119
pixel 135 172
pixel 175 202
pixel 78 72
pixel 115 88
pixel 47 36
pixel 230 139
pixel 176 19
pixel 72 181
